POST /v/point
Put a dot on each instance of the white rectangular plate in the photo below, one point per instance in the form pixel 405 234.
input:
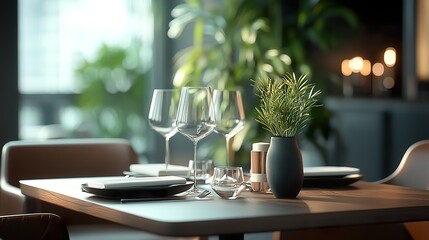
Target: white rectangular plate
pixel 329 171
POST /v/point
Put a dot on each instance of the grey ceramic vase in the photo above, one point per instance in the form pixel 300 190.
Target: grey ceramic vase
pixel 284 167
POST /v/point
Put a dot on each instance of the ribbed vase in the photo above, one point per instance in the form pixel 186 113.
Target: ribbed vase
pixel 284 167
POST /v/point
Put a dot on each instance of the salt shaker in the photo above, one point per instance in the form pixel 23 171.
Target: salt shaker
pixel 258 159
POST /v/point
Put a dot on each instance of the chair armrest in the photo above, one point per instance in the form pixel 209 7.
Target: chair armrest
pixel 12 201
pixel 44 226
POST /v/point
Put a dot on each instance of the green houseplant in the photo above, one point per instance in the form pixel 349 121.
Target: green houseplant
pixel 112 98
pixel 233 41
pixel 284 110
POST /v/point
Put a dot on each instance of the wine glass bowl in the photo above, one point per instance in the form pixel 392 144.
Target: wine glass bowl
pixel 195 117
pixel 230 115
pixel 229 128
pixel 162 116
pixel 195 131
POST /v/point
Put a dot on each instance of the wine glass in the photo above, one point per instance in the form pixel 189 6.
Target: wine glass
pixel 162 116
pixel 195 117
pixel 230 116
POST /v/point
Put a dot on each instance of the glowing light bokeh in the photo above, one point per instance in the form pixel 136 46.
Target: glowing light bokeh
pixel 366 68
pixel 388 82
pixel 390 57
pixel 356 64
pixel 345 69
pixel 378 69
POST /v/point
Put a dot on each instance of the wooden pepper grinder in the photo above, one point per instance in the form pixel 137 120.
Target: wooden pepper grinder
pixel 258 176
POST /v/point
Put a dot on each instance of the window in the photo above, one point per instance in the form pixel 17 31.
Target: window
pixel 56 38
pixel 56 35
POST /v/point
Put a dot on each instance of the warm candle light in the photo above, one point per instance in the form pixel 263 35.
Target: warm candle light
pixel 356 64
pixel 345 69
pixel 388 82
pixel 390 57
pixel 366 68
pixel 363 78
pixel 378 69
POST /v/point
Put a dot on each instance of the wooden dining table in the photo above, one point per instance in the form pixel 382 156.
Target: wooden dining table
pixel 359 203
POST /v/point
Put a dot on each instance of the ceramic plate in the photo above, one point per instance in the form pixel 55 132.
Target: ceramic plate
pixel 139 192
pixel 331 181
pixel 320 171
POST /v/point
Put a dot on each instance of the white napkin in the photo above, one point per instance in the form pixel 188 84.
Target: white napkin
pixel 158 169
pixel 136 182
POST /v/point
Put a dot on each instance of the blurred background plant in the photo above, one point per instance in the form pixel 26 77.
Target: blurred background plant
pixel 112 97
pixel 235 42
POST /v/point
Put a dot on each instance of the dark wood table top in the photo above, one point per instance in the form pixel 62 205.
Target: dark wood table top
pixel 359 203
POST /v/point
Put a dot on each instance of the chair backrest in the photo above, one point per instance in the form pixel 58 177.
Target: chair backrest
pixel 58 158
pixel 413 170
pixel 43 226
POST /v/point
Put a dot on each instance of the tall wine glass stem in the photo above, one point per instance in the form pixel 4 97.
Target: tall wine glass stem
pixel 227 151
pixel 167 152
pixel 195 166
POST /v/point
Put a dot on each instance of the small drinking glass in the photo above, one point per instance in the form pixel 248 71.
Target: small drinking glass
pixel 228 182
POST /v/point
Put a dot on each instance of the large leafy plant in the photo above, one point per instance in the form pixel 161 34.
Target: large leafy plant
pixel 232 41
pixel 236 41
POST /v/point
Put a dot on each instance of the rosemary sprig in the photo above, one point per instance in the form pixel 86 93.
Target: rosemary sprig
pixel 285 104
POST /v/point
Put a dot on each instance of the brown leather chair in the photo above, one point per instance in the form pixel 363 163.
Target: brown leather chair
pixel 59 158
pixel 41 226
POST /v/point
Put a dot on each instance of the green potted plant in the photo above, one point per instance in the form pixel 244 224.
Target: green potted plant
pixel 284 110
